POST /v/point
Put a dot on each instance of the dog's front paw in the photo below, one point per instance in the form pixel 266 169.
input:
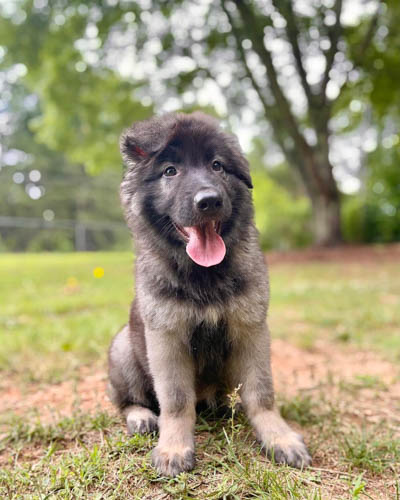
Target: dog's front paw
pixel 171 461
pixel 290 450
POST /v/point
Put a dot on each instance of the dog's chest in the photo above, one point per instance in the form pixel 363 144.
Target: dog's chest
pixel 202 289
pixel 210 347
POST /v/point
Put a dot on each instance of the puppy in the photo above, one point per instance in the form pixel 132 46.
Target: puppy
pixel 197 326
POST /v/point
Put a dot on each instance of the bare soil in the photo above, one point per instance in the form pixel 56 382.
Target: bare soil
pixel 295 371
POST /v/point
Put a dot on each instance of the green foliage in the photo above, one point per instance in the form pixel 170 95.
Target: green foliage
pixel 373 216
pixel 353 219
pixel 84 106
pixel 283 221
pixel 381 62
pixel 84 130
pixel 69 56
pixel 282 211
pixel 67 192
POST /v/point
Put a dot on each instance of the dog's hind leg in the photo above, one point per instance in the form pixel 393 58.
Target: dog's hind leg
pixel 140 419
pixel 130 387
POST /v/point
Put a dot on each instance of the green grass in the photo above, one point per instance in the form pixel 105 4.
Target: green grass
pixel 118 466
pixel 57 317
pixel 356 303
pixel 371 450
pixel 90 456
pixel 300 409
pixel 53 308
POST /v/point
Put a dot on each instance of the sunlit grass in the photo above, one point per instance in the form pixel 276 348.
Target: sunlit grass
pixel 62 309
pixel 352 303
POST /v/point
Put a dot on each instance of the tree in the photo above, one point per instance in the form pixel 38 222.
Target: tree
pixel 58 46
pixel 311 160
pixel 40 183
pixel 302 132
pixel 289 62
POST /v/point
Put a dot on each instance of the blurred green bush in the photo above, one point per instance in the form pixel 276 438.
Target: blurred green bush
pixel 282 219
pixel 373 214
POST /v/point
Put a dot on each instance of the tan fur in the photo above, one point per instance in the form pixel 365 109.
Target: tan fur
pixel 173 374
pixel 175 449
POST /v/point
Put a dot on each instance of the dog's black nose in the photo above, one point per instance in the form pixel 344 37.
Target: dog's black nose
pixel 208 201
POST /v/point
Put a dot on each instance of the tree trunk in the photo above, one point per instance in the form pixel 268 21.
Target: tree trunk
pixel 316 172
pixel 326 219
pixel 311 160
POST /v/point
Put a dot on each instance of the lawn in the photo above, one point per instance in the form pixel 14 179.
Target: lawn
pixel 336 353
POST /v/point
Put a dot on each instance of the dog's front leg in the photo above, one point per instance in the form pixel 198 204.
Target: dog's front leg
pixel 253 374
pixel 172 369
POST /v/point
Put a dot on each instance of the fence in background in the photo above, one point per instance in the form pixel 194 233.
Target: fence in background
pixel 79 228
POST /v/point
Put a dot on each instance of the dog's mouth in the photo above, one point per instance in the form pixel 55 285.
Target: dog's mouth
pixel 204 244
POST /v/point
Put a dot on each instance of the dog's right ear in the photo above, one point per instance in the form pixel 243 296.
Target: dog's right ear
pixel 141 141
pixel 131 151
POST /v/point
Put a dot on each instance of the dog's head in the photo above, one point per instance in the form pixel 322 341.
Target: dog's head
pixel 188 180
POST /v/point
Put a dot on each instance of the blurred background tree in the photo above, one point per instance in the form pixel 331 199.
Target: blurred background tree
pixel 41 183
pixel 310 87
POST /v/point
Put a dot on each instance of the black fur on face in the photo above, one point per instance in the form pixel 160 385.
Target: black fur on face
pixel 172 161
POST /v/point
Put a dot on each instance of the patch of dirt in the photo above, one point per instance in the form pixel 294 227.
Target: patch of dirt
pixel 53 401
pixel 296 371
pixel 340 373
pixel 342 253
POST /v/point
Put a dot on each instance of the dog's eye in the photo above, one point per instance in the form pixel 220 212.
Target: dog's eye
pixel 217 166
pixel 170 171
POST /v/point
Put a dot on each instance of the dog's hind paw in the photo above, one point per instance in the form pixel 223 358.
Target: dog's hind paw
pixel 289 450
pixel 140 420
pixel 171 462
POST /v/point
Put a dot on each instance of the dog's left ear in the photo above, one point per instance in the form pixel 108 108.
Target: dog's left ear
pixel 244 172
pixel 143 139
pixel 242 168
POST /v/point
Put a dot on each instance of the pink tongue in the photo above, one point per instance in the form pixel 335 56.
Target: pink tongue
pixel 205 246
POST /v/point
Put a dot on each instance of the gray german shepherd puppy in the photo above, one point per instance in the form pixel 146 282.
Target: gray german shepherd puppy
pixel 197 326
